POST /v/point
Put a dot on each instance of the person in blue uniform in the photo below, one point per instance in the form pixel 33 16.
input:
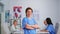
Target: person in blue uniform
pixel 49 27
pixel 29 25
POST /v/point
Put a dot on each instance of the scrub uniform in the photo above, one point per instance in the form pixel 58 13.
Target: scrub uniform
pixel 30 22
pixel 51 29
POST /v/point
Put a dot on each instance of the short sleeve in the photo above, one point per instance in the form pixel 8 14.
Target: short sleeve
pixel 24 21
pixel 50 28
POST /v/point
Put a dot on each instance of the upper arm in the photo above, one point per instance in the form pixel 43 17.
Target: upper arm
pixel 25 24
pixel 50 28
pixel 24 21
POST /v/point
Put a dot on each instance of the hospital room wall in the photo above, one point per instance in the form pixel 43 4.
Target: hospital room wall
pixel 45 8
pixel 59 10
pixel 59 18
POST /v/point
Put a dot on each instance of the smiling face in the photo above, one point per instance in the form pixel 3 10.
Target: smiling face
pixel 29 13
pixel 15 23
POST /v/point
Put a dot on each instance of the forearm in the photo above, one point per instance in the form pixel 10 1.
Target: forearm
pixel 29 27
pixel 44 30
pixel 35 26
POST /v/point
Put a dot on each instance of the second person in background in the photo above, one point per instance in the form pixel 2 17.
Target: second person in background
pixel 49 25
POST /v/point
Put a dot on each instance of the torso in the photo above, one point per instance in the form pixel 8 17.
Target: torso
pixel 30 22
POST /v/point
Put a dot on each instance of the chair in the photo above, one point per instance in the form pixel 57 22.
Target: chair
pixel 56 27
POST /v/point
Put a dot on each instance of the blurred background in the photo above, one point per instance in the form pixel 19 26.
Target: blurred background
pixel 41 10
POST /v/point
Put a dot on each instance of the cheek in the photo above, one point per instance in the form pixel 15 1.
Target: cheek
pixel 15 23
pixel 29 13
pixel 45 23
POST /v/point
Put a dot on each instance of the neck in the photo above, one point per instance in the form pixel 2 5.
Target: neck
pixel 29 16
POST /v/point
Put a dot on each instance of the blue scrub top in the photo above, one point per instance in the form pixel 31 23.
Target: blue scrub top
pixel 51 29
pixel 30 22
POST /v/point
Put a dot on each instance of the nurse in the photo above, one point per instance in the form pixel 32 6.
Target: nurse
pixel 49 25
pixel 29 25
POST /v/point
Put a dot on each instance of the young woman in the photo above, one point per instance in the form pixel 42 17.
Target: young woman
pixel 49 25
pixel 29 25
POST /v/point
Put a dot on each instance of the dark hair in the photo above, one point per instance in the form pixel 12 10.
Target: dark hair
pixel 48 20
pixel 28 9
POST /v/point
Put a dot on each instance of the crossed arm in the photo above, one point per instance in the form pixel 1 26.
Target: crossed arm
pixel 32 26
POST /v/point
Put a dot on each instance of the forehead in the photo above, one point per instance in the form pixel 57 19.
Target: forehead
pixel 15 21
pixel 29 10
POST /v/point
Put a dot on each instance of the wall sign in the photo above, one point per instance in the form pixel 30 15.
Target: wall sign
pixel 17 14
pixel 17 11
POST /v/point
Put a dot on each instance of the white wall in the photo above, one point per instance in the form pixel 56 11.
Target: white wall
pixel 46 8
pixel 59 10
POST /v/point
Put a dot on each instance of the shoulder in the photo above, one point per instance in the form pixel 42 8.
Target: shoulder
pixel 24 19
pixel 50 26
pixel 12 26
